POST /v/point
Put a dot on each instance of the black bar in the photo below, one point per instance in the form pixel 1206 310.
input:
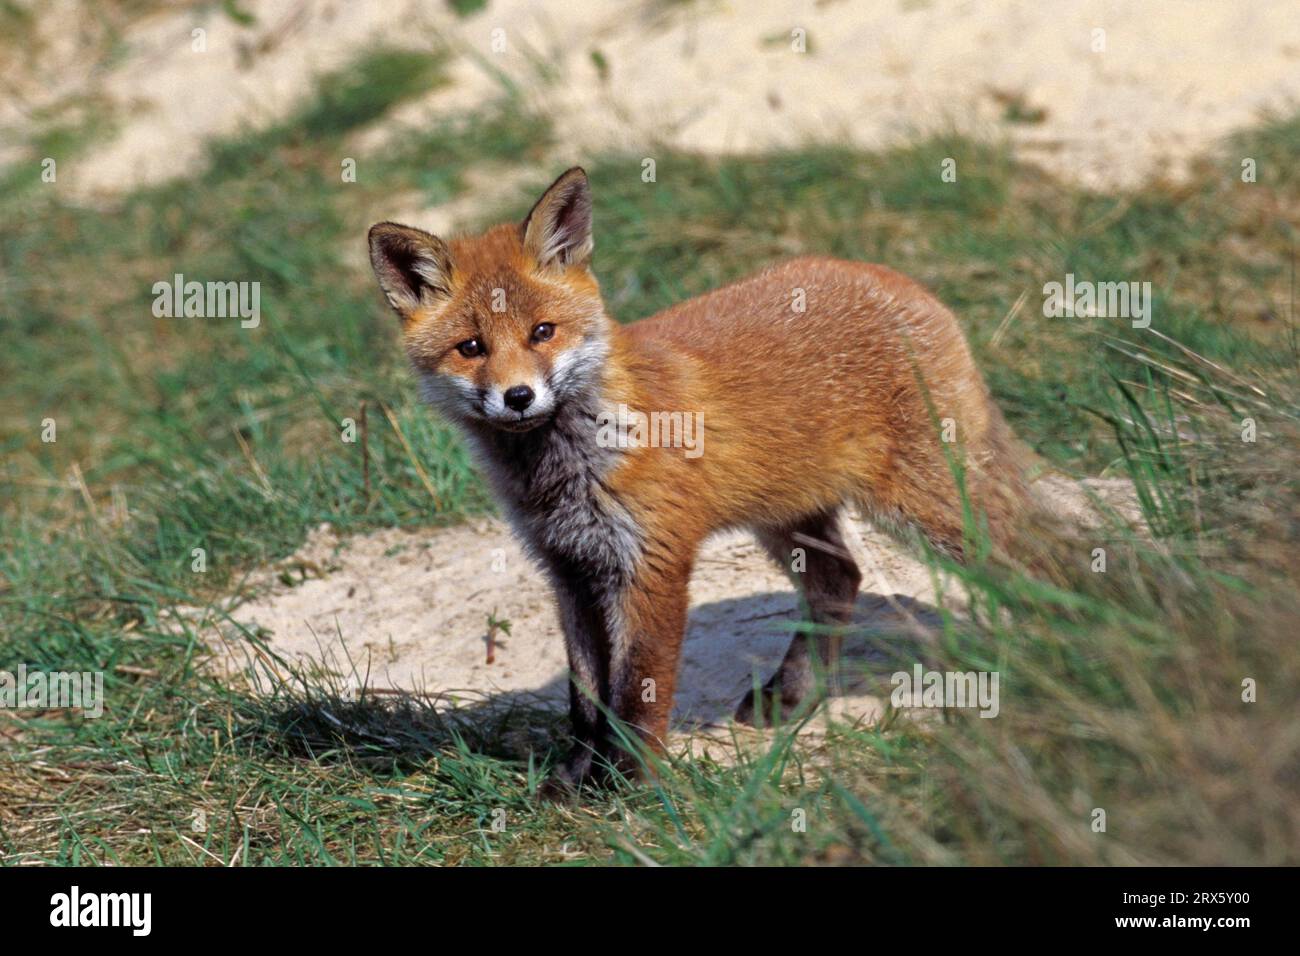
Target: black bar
pixel 336 906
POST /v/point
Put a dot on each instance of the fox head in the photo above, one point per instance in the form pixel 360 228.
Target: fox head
pixel 505 327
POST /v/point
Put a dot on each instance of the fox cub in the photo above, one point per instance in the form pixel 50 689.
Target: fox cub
pixel 819 383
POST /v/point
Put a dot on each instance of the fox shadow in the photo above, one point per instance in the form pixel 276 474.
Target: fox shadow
pixel 735 644
pixel 730 646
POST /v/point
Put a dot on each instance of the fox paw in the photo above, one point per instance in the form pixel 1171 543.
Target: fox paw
pixel 772 705
pixel 567 778
pixel 557 789
pixel 760 710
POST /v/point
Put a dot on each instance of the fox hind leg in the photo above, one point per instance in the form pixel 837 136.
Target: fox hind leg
pixel 812 551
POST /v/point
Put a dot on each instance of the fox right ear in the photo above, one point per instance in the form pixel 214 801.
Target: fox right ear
pixel 413 267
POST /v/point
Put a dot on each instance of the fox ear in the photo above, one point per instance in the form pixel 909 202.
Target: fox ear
pixel 412 266
pixel 558 229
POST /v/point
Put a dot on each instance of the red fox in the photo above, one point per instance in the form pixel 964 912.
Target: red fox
pixel 820 383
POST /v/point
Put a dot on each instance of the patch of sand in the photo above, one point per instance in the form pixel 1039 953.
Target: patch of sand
pixel 408 611
pixel 1172 76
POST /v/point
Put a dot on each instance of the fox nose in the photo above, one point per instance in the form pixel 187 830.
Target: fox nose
pixel 519 397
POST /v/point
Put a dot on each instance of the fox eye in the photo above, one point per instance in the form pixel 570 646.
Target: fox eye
pixel 543 332
pixel 470 348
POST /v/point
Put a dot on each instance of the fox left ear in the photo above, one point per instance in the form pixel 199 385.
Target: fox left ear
pixel 558 229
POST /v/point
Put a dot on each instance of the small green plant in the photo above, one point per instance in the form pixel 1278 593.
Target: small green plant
pixel 495 626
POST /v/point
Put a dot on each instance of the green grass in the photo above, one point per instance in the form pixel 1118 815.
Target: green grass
pixel 467 8
pixel 1120 690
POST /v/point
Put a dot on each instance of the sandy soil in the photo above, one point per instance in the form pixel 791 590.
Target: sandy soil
pixel 408 611
pixel 1173 76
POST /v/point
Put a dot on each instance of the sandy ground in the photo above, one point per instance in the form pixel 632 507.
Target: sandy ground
pixel 1173 75
pixel 408 611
